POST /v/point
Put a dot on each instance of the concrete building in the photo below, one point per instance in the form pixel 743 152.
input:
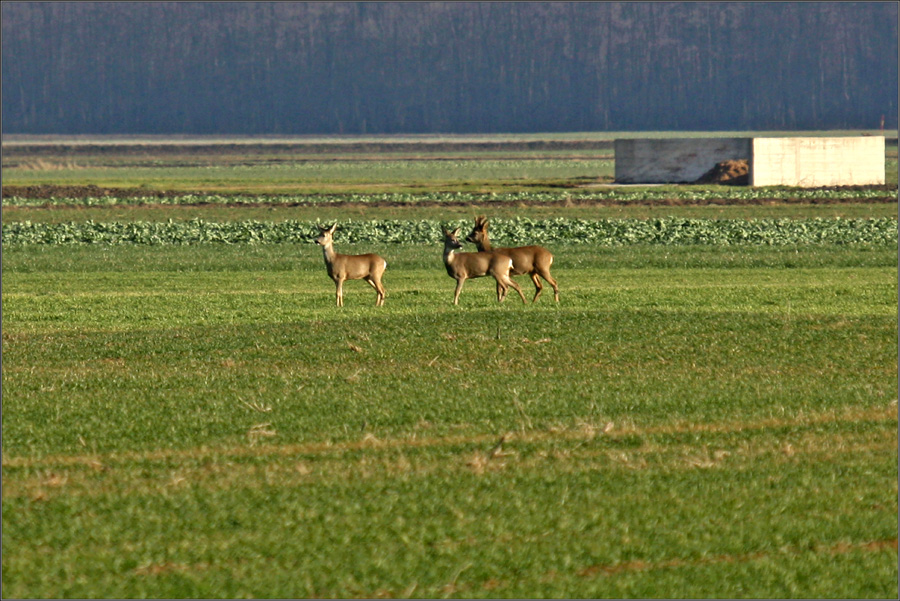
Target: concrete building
pixel 804 162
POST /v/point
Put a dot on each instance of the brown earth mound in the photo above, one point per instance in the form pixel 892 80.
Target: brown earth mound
pixel 732 173
pixel 89 191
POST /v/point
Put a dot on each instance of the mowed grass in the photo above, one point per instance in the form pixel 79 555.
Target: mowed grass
pixel 686 422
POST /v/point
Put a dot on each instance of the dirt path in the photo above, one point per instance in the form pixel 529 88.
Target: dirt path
pixel 91 191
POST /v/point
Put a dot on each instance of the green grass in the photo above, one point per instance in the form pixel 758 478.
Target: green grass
pixel 201 421
pixel 318 175
pixel 687 422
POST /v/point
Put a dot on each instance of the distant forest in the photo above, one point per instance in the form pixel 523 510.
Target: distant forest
pixel 449 67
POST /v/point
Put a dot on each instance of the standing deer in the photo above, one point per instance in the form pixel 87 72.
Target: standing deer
pixel 533 260
pixel 463 266
pixel 351 267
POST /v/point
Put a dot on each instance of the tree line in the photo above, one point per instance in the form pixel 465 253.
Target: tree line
pixel 393 67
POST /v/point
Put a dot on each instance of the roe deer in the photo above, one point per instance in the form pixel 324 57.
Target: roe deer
pixel 463 266
pixel 533 260
pixel 351 267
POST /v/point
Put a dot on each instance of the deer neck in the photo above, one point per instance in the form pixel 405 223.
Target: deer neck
pixel 451 262
pixel 449 254
pixel 328 253
pixel 484 244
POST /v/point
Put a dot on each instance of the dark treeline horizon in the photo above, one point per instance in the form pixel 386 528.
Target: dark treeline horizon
pixel 446 67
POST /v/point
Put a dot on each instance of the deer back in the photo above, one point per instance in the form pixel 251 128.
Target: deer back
pixel 355 267
pixel 476 265
pixel 526 259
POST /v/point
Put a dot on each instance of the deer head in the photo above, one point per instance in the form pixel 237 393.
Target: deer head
pixel 479 232
pixel 451 239
pixel 326 235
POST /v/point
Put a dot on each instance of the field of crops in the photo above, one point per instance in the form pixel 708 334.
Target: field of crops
pixel 605 232
pixel 709 411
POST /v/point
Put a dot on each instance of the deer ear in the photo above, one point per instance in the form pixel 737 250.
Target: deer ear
pixel 332 228
pixel 456 232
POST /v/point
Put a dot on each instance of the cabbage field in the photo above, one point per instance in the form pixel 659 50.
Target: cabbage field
pixel 518 231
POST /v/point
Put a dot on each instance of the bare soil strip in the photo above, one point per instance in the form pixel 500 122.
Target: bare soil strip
pixel 47 191
pixel 645 566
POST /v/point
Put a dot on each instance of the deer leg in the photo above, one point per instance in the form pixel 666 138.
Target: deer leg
pixel 502 291
pixel 459 284
pixel 340 292
pixel 546 275
pixel 517 288
pixel 538 287
pixel 368 279
pixel 379 289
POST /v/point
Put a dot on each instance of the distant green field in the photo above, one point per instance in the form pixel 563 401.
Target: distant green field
pixel 323 175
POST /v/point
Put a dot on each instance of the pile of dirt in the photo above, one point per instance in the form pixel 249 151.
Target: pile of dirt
pixel 732 173
pixel 89 191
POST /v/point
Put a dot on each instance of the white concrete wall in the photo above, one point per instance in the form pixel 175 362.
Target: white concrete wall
pixel 801 162
pixel 674 160
pixel 814 162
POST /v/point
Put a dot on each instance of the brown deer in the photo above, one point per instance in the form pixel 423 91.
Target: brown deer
pixel 351 267
pixel 463 266
pixel 533 260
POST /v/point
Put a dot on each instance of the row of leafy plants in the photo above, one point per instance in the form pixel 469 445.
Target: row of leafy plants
pixel 604 232
pixel 618 195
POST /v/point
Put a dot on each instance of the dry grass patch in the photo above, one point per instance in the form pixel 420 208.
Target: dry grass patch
pixel 583 447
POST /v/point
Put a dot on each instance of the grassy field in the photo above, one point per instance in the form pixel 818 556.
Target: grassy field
pixel 204 423
pixel 200 421
pixel 327 176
